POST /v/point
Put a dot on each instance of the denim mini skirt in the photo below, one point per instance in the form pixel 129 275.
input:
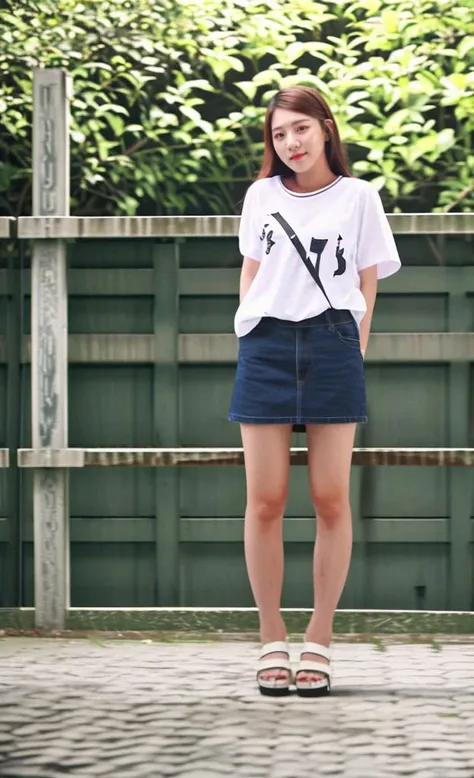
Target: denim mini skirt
pixel 305 372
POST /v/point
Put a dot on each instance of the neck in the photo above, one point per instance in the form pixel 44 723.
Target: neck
pixel 310 181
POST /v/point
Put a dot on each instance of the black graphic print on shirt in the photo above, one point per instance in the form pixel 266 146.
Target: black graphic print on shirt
pixel 269 237
pixel 317 247
pixel 341 262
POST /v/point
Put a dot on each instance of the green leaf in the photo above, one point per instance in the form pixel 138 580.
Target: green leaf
pixel 249 88
pixel 375 155
pixel 354 97
pixel 395 121
pixel 201 154
pixel 267 77
pixel 107 108
pixel 429 82
pixel 165 119
pixel 456 82
pixel 95 125
pixel 190 113
pixel 465 46
pixel 99 66
pixel 154 69
pixel 77 136
pixel 221 63
pixel 379 182
pixel 116 123
pixel 199 83
pixel 294 51
pixel 390 21
pixel 446 139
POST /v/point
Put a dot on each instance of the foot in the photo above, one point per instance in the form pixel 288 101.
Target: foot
pixel 279 676
pixel 310 676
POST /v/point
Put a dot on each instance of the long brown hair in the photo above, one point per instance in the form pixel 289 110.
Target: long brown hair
pixel 302 99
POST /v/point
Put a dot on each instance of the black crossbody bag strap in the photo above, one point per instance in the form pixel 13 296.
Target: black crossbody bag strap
pixel 300 249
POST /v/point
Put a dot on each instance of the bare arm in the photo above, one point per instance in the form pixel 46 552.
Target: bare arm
pixel 249 271
pixel 368 287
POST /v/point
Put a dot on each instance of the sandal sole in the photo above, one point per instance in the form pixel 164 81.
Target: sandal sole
pixel 321 692
pixel 267 692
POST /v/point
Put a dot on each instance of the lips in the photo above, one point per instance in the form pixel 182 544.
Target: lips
pixel 296 157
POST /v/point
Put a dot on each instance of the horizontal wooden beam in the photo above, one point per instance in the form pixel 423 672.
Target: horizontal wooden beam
pixel 104 530
pixel 303 530
pixel 224 282
pixel 198 349
pixel 383 347
pixel 113 282
pixel 413 280
pixel 231 530
pixel 75 227
pixel 199 457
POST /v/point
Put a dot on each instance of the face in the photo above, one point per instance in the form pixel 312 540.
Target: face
pixel 299 139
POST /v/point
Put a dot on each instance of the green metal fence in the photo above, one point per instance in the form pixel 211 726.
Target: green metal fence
pixel 151 366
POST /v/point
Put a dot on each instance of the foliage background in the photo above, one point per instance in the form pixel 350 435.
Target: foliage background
pixel 169 96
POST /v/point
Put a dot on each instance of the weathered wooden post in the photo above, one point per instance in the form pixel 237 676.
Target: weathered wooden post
pixel 49 359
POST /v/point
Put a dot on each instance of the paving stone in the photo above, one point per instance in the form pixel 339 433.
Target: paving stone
pixel 120 710
pixel 433 770
pixel 403 768
pixel 196 774
pixel 158 770
pixel 327 768
pixel 212 766
pixel 21 771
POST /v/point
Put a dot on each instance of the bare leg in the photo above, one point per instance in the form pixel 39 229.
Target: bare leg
pixel 267 459
pixel 329 461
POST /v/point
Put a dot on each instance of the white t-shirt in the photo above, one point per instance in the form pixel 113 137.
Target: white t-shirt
pixel 342 228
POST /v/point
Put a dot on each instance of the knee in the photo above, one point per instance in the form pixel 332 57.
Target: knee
pixel 266 508
pixel 331 506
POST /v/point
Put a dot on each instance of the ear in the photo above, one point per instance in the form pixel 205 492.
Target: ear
pixel 329 126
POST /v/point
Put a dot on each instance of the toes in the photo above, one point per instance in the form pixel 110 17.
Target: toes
pixel 276 678
pixel 304 678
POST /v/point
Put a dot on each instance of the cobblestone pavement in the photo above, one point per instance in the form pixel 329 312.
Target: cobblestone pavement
pixel 126 709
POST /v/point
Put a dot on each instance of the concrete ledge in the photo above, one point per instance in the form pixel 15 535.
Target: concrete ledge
pixel 210 226
pixel 50 457
pixel 239 620
pixel 6 226
pixel 199 457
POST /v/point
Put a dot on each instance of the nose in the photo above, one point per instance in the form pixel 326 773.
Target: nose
pixel 292 142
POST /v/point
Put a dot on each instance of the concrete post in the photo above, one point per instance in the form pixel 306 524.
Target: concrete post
pixel 49 357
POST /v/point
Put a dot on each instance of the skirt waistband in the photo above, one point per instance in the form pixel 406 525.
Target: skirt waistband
pixel 328 317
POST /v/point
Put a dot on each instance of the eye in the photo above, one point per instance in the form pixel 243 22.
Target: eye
pixel 278 135
pixel 302 127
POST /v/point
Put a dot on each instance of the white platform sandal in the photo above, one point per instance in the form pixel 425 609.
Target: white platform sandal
pixel 323 685
pixel 274 687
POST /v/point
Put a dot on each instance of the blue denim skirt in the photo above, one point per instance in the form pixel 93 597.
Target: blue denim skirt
pixel 305 372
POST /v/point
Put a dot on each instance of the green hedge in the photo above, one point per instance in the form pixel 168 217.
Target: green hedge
pixel 169 96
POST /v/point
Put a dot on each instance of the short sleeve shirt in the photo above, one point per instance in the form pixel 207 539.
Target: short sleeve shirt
pixel 342 228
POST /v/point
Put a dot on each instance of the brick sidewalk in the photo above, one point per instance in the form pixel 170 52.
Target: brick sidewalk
pixel 126 709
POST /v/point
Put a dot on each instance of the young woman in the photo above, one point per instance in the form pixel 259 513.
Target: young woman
pixel 314 242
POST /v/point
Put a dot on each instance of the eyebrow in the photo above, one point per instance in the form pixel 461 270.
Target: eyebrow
pixel 298 121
